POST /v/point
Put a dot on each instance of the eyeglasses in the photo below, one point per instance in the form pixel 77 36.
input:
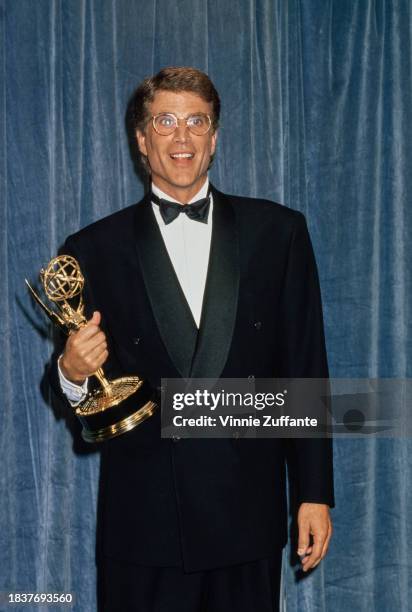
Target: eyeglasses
pixel 166 123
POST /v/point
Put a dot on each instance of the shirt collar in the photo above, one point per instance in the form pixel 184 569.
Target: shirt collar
pixel 202 193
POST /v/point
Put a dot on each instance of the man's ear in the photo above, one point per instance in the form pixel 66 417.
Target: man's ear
pixel 141 142
pixel 213 142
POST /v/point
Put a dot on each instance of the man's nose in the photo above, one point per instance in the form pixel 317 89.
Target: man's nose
pixel 181 133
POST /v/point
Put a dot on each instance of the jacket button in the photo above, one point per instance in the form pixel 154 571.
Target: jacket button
pixel 136 340
pixel 258 325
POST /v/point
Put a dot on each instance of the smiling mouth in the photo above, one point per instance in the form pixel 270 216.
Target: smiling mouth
pixel 182 155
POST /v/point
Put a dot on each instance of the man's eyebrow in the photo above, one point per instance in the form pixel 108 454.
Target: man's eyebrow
pixel 181 116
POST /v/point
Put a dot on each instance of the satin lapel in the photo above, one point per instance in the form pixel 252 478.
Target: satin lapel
pixel 221 293
pixel 171 311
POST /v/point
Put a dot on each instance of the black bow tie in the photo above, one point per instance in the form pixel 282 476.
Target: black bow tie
pixel 198 211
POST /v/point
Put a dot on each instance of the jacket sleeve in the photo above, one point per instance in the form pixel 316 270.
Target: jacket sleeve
pixel 302 354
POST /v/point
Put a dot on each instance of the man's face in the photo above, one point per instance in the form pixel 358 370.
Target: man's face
pixel 179 177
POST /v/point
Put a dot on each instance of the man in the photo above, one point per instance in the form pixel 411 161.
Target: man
pixel 224 288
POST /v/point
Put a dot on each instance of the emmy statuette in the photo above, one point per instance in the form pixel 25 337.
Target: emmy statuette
pixel 119 405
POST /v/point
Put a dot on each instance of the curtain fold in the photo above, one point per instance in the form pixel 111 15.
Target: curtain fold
pixel 317 114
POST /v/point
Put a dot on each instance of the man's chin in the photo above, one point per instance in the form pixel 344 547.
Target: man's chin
pixel 182 184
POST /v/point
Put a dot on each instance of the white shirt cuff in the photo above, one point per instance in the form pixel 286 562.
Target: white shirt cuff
pixel 74 393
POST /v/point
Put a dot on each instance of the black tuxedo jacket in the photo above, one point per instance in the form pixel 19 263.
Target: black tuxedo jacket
pixel 205 503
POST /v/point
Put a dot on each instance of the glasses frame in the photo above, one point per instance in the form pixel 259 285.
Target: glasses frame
pixel 178 119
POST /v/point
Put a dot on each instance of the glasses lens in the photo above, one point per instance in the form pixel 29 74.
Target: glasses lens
pixel 164 124
pixel 198 124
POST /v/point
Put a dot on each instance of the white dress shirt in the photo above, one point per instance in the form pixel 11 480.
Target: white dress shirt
pixel 188 246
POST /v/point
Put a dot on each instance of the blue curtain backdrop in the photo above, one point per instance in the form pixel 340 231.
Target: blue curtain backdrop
pixel 317 114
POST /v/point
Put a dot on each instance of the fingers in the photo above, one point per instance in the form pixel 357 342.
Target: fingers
pixel 304 538
pixel 96 318
pixel 91 353
pixel 86 342
pixel 313 520
pixel 85 351
pixel 89 330
pixel 312 560
pixel 97 356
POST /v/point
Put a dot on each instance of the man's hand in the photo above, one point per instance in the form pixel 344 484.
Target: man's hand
pixel 85 351
pixel 313 520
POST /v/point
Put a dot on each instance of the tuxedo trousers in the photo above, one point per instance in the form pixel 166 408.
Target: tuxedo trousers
pixel 247 587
